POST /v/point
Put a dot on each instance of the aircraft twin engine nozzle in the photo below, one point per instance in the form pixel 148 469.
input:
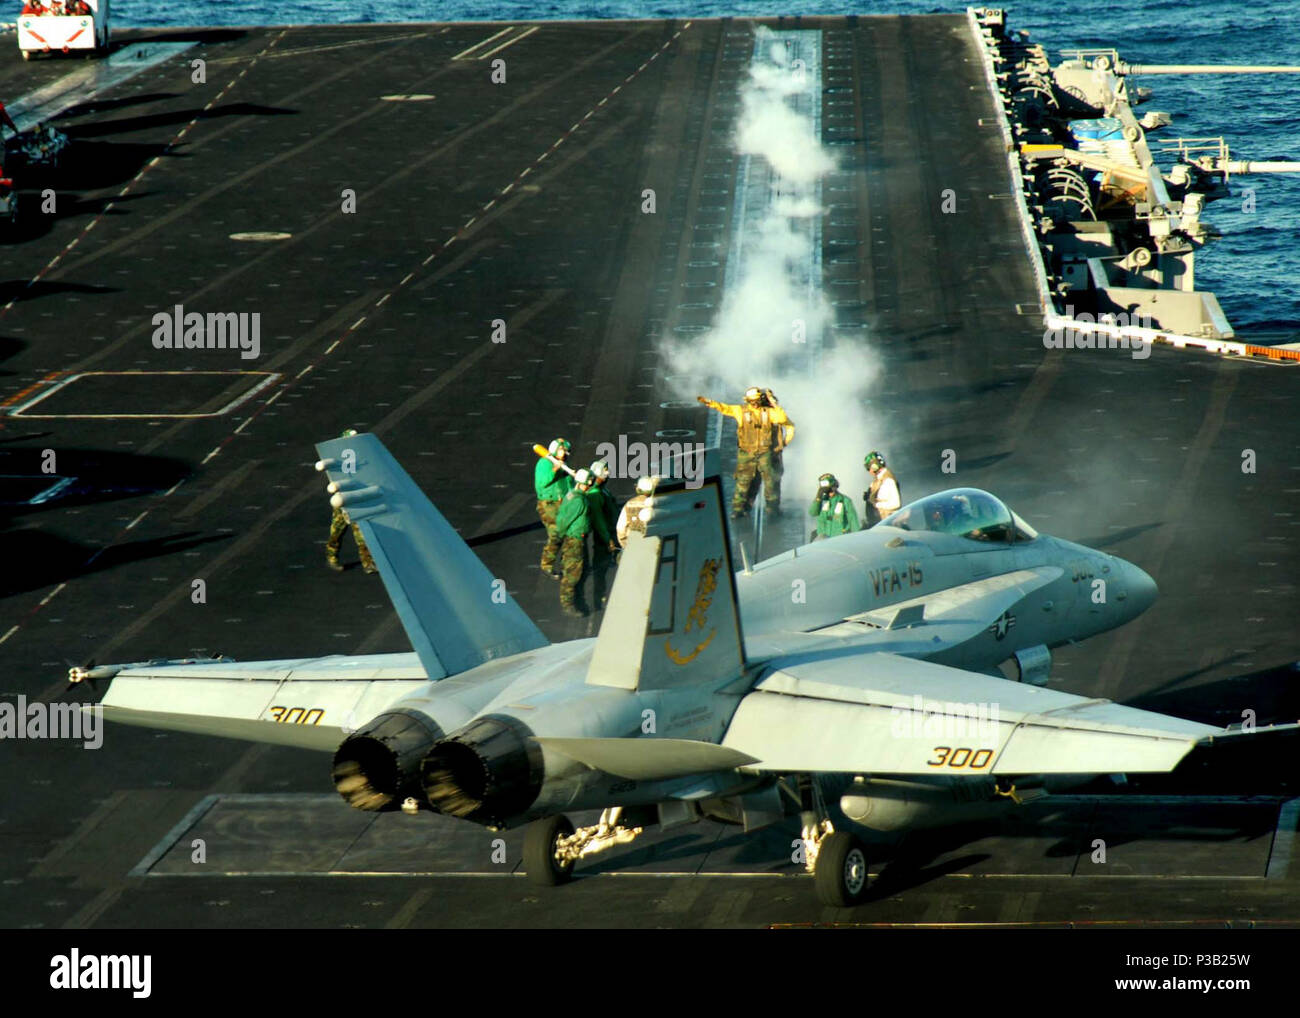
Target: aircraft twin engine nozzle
pixel 378 767
pixel 487 772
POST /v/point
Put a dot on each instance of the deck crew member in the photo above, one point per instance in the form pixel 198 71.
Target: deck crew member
pixel 572 522
pixel 884 496
pixel 551 483
pixel 604 518
pixel 834 511
pixel 763 431
pixel 630 519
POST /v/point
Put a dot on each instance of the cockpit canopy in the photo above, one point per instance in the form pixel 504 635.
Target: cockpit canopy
pixel 963 512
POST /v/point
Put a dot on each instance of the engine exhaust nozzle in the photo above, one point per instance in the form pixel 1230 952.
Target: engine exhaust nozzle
pixel 377 767
pixel 487 772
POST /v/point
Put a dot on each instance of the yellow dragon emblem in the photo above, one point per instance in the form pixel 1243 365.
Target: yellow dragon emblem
pixel 697 617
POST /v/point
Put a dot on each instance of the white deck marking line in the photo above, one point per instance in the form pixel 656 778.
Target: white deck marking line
pixel 466 52
pixel 337 45
pixel 20 410
pixel 508 42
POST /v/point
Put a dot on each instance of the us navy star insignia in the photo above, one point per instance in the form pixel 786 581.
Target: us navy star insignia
pixel 1002 626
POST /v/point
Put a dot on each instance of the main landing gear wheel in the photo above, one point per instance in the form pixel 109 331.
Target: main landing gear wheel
pixel 841 872
pixel 541 859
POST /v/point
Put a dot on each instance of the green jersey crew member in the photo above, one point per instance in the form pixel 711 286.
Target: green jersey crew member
pixel 763 430
pixel 604 516
pixel 551 482
pixel 834 511
pixel 572 522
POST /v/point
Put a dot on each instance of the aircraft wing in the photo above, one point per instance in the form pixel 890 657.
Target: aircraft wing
pixel 308 703
pixel 880 713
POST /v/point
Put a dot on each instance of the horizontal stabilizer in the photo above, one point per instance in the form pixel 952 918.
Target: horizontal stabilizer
pixel 311 703
pixel 648 758
pixel 456 614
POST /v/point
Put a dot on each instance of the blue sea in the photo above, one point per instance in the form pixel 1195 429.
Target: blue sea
pixel 1254 269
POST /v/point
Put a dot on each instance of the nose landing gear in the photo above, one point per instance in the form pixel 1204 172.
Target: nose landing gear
pixel 836 859
pixel 840 874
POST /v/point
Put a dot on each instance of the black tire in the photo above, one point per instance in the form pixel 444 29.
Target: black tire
pixel 841 872
pixel 540 863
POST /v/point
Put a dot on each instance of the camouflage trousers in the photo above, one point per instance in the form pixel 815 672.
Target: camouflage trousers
pixel 750 466
pixel 338 524
pixel 573 562
pixel 546 512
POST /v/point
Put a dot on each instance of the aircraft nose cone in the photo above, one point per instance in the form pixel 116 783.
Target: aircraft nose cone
pixel 1142 590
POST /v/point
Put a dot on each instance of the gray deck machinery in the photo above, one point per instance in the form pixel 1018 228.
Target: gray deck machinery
pixel 1116 233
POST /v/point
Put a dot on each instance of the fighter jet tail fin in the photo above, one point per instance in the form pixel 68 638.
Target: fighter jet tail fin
pixel 672 617
pixel 455 613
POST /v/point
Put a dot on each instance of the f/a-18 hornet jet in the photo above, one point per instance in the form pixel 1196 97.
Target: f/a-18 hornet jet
pixel 860 672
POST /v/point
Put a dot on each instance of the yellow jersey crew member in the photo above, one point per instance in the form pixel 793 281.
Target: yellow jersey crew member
pixel 551 482
pixel 834 511
pixel 763 431
pixel 884 496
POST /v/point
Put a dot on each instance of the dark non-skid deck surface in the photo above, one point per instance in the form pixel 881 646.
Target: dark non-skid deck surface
pixel 381 319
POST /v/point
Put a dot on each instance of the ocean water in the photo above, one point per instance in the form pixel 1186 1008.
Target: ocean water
pixel 1254 269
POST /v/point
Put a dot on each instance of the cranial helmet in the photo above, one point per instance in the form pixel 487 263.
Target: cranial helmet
pixel 558 444
pixel 349 433
pixel 873 455
pixel 645 485
pixel 583 476
pixel 828 482
pixel 753 394
pixel 600 469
